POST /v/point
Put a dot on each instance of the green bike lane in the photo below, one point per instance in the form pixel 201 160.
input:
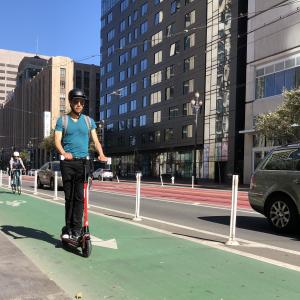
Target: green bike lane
pixel 146 265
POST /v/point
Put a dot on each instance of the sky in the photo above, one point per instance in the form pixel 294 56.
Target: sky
pixel 62 27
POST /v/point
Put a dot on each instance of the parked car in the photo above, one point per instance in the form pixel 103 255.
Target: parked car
pixel 275 187
pixel 46 175
pixel 31 172
pixel 103 174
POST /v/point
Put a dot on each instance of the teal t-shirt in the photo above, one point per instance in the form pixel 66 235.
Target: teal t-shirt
pixel 76 138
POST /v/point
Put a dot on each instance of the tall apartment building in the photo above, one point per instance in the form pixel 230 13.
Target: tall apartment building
pixel 9 63
pixel 40 97
pixel 156 54
pixel 273 64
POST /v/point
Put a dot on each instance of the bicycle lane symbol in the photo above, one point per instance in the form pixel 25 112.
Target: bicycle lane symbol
pixel 14 203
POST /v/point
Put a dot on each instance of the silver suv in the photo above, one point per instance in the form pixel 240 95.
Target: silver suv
pixel 275 187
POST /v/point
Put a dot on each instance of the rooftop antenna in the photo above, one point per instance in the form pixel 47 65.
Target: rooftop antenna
pixel 37 46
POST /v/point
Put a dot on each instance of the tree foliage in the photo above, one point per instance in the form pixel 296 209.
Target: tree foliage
pixel 283 124
pixel 48 142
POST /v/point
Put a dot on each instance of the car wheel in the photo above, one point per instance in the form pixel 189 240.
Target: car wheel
pixel 52 184
pixel 40 185
pixel 282 214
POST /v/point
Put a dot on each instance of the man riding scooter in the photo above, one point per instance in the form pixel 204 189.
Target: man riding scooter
pixel 72 134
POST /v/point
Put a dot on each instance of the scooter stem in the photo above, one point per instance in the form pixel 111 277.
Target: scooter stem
pixel 85 191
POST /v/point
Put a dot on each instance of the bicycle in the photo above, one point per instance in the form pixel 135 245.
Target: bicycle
pixel 16 184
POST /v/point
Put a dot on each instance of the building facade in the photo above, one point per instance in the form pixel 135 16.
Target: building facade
pixel 155 56
pixel 40 97
pixel 9 63
pixel 273 64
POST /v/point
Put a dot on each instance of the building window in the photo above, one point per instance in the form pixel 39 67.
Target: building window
pixel 170 72
pixel 122 42
pixel 108 113
pixel 145 45
pixel 121 125
pixel 133 87
pixel 189 41
pixel 187 109
pixel 144 9
pixel 145 82
pixel 144 64
pixel 190 18
pixel 155 78
pixel 134 52
pixel 174 48
pixel 187 131
pixel 171 30
pixel 109 67
pixel 110 81
pixel 188 2
pixel 157 116
pixel 173 112
pixel 122 26
pixel 169 133
pixel 175 6
pixel 155 97
pixel 110 35
pixel 123 58
pixel 108 98
pixel 123 92
pixel 132 140
pixel 189 64
pixel 157 1
pixel 158 18
pixel 144 27
pixel 124 5
pixel 122 75
pixel 123 108
pixel 188 86
pixel 156 38
pixel 158 57
pixel 145 101
pixel 132 105
pixel 157 137
pixel 169 92
pixel 143 120
pixel 110 50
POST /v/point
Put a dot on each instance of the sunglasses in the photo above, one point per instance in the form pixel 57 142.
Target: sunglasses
pixel 76 101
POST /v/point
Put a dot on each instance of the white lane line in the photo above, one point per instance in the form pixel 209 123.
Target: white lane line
pixel 243 241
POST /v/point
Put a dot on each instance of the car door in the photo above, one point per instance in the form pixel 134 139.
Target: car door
pixel 43 173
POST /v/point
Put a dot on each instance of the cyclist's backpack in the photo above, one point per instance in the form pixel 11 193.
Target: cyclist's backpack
pixel 87 120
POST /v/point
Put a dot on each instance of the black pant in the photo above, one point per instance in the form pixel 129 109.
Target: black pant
pixel 73 172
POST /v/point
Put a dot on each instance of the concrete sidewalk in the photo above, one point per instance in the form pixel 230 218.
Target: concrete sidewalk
pixel 147 265
pixel 20 278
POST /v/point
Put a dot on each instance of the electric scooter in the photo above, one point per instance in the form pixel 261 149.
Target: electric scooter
pixel 84 241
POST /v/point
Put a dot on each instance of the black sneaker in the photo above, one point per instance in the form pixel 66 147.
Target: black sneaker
pixel 76 235
pixel 66 233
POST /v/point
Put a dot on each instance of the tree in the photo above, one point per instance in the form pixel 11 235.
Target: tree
pixel 48 142
pixel 283 123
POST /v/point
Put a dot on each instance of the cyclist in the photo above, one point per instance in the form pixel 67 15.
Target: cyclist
pixel 16 164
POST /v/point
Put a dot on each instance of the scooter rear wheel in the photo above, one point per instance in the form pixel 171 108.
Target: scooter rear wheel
pixel 87 248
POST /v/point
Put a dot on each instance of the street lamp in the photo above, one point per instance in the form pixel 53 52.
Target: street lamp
pixel 30 146
pixel 197 107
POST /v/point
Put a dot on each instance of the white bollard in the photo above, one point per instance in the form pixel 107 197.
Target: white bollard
pixel 35 183
pixel 55 186
pixel 118 178
pixel 9 181
pixel 138 197
pixel 232 241
pixel 193 181
pixel 101 177
pixel 161 180
pixel 172 178
pixel 1 176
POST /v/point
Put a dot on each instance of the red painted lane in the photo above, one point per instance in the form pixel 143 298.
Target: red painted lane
pixel 213 197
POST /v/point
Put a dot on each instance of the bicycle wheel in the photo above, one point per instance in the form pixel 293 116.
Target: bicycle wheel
pixel 13 188
pixel 19 189
pixel 18 185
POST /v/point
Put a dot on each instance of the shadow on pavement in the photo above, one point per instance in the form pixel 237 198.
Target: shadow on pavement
pixel 3 192
pixel 249 223
pixel 21 232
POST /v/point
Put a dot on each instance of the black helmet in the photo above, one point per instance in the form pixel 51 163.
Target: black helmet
pixel 76 93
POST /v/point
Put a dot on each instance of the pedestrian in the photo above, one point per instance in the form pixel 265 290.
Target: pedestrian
pixel 72 133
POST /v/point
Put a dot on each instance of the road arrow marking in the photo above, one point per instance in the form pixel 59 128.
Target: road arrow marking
pixel 112 243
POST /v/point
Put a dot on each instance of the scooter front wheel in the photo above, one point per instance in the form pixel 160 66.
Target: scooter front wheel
pixel 87 248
